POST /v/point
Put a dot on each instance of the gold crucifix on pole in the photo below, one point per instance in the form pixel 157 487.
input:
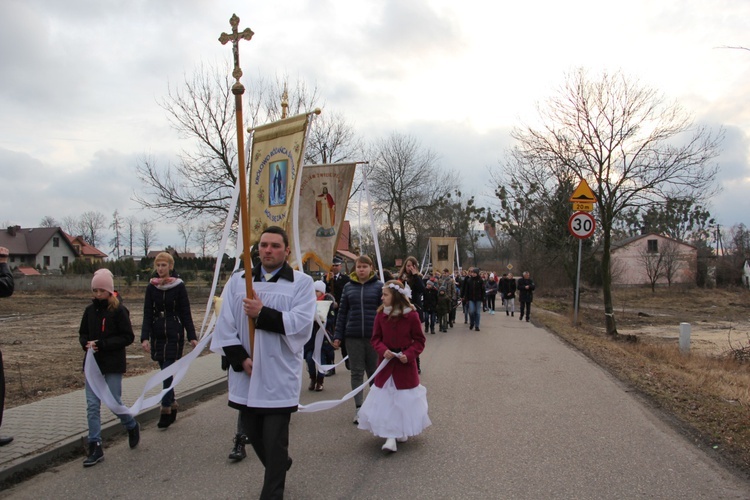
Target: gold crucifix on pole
pixel 238 90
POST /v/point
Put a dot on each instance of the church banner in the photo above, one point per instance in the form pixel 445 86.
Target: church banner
pixel 443 251
pixel 276 158
pixel 324 193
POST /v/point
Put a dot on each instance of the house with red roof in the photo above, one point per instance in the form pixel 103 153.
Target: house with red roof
pixel 45 247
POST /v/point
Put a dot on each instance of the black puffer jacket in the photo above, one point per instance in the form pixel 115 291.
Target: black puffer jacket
pixel 112 331
pixel 166 318
pixel 358 307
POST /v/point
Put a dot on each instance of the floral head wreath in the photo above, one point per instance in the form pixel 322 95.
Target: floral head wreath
pixel 405 291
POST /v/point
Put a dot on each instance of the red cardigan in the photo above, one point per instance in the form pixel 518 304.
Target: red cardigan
pixel 404 333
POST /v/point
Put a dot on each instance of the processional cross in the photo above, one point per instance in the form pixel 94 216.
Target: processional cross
pixel 238 90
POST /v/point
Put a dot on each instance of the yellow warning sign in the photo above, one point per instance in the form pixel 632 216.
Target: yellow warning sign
pixel 583 193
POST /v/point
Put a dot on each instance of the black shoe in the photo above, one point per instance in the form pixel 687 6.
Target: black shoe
pixel 4 441
pixel 527 319
pixel 465 322
pixel 507 313
pixel 134 435
pixel 433 332
pixel 96 455
pixel 450 325
pixel 511 314
pixel 165 419
pixel 238 451
pixel 476 329
pixel 289 463
pixel 471 327
pixel 520 318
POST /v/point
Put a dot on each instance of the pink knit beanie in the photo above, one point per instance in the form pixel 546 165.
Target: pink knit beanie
pixel 103 279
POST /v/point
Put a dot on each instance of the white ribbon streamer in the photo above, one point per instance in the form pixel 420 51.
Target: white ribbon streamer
pixel 332 403
pixel 177 370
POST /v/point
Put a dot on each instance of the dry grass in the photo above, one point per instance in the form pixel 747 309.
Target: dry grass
pixel 707 395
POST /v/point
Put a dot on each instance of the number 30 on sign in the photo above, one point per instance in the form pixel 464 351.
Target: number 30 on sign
pixel 581 225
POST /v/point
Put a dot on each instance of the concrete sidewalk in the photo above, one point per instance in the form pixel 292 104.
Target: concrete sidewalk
pixel 55 427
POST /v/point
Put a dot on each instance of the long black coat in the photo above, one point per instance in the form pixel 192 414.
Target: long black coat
pixel 112 331
pixel 524 294
pixel 166 318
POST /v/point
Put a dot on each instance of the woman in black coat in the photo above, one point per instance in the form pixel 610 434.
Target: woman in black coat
pixel 166 318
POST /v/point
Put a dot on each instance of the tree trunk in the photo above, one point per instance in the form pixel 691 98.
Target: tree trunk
pixel 609 312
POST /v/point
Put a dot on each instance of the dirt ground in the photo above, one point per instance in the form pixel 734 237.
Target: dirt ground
pixel 39 341
pixel 719 320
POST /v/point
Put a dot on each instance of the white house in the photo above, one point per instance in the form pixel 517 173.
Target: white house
pixel 631 259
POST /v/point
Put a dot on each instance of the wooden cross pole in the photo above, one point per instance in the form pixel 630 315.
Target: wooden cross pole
pixel 238 90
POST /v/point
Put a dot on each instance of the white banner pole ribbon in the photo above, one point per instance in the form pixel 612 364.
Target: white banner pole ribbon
pixel 328 404
pixel 177 370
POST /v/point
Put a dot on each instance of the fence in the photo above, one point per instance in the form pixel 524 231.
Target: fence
pixel 82 282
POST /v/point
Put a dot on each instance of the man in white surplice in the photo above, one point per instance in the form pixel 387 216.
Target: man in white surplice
pixel 266 387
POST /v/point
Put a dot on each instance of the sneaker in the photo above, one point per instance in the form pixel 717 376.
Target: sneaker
pixel 134 436
pixel 96 455
pixel 389 445
pixel 355 420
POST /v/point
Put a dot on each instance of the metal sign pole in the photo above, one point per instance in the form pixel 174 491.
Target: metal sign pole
pixel 578 283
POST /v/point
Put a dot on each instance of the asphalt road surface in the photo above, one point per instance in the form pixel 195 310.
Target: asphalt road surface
pixel 516 414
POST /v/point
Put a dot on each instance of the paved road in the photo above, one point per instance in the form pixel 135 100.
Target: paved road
pixel 516 414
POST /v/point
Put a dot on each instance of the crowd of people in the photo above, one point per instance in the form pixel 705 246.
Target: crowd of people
pixel 371 321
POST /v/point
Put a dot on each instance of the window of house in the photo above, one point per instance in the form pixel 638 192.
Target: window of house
pixel 12 258
pixel 653 246
pixel 46 261
pixel 56 241
pixel 65 260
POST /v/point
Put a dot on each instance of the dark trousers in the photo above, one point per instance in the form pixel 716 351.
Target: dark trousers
pixel 525 306
pixel 269 436
pixel 2 388
pixel 168 398
pixel 491 302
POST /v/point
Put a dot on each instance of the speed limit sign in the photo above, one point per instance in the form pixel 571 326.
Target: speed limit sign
pixel 581 225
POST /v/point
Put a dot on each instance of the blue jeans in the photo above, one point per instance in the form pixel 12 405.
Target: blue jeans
pixel 93 405
pixel 168 398
pixel 475 312
pixel 429 320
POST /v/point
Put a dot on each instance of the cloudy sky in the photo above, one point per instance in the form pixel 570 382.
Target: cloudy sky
pixel 80 80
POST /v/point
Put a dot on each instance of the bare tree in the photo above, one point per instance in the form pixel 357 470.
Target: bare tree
pixel 130 225
pixel 92 225
pixel 116 226
pixel 146 235
pixel 204 235
pixel 185 230
pixel 72 226
pixel 631 146
pixel 49 221
pixel 653 266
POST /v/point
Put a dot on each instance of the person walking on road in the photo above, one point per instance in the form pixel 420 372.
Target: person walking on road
pixel 7 286
pixel 265 379
pixel 526 288
pixel 166 319
pixel 359 305
pixel 106 329
pixel 396 406
pixel 473 294
pixel 508 291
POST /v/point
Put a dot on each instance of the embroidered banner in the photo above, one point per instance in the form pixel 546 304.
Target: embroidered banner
pixel 443 252
pixel 277 153
pixel 324 194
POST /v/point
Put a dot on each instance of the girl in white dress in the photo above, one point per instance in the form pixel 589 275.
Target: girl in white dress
pixel 396 406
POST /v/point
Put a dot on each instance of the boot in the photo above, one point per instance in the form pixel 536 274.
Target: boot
pixel 165 418
pixel 311 387
pixel 96 455
pixel 174 412
pixel 238 450
pixel 319 383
